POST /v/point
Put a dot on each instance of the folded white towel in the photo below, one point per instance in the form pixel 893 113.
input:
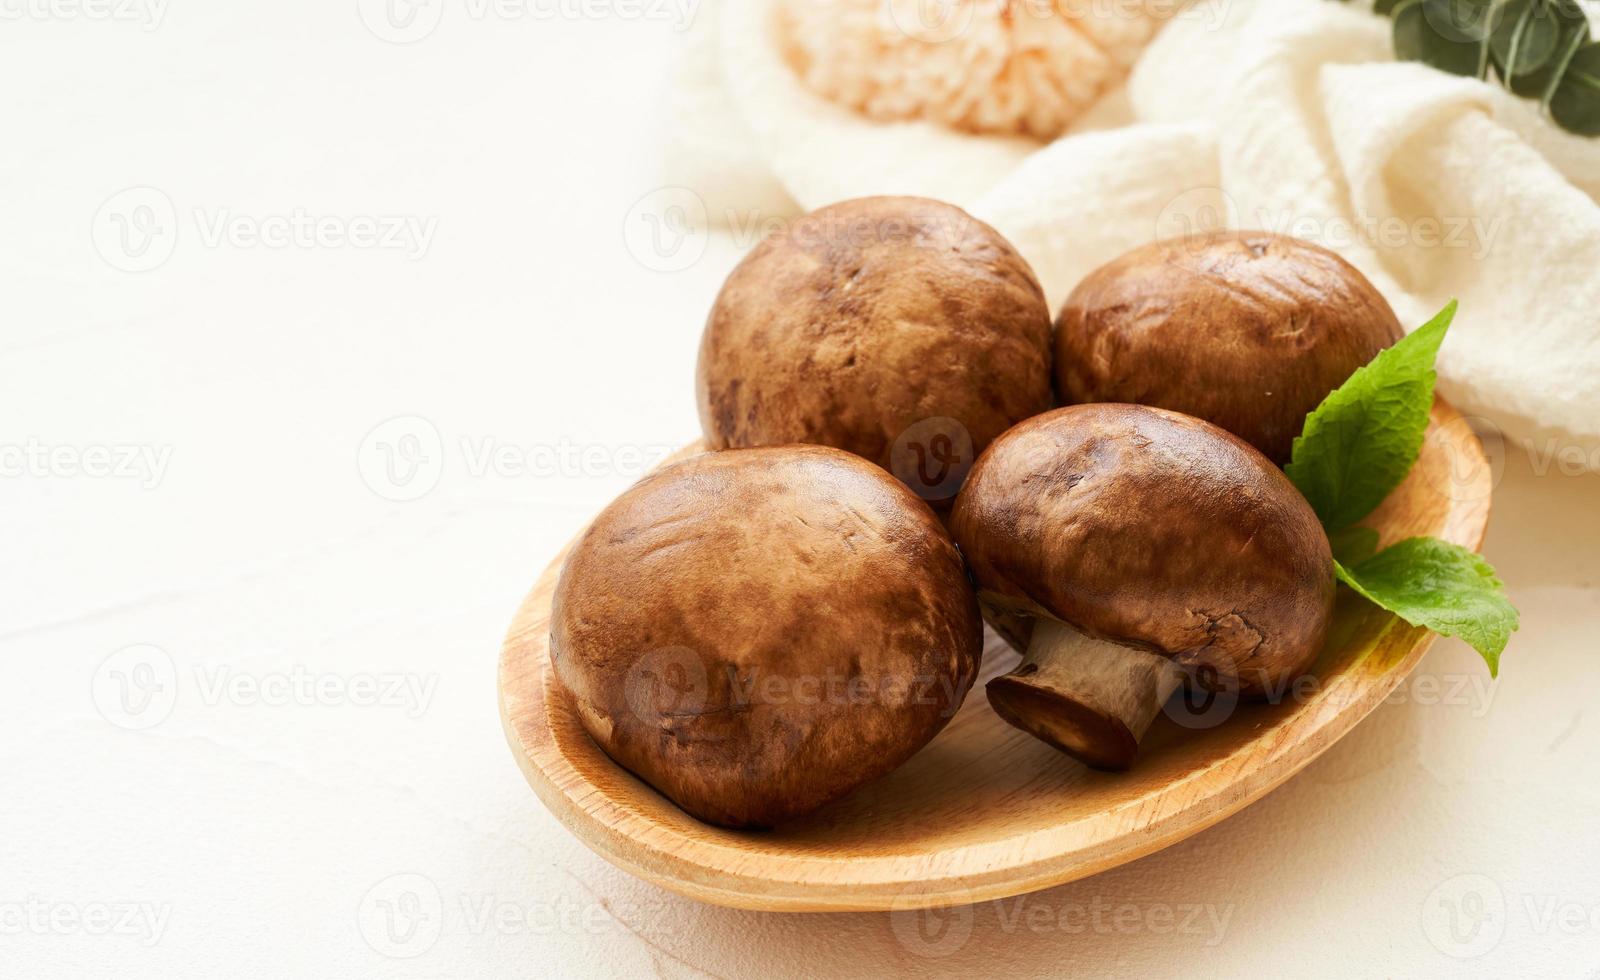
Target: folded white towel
pixel 1289 115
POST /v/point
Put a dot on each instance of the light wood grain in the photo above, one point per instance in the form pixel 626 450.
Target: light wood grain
pixel 986 811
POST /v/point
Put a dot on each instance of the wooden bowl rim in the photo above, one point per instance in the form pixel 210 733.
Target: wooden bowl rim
pixel 733 868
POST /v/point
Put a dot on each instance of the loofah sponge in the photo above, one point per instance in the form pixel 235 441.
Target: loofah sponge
pixel 1011 67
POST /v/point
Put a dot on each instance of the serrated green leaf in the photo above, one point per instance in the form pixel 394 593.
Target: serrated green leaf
pixel 1442 587
pixel 1575 103
pixel 1364 437
pixel 1353 545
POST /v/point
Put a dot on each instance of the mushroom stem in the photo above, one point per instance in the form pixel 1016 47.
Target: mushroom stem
pixel 1093 699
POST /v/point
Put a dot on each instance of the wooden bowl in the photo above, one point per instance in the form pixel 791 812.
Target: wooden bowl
pixel 986 811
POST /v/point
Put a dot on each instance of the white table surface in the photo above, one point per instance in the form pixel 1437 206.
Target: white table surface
pixel 249 709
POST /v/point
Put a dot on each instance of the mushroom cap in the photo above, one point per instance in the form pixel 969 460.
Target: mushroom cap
pixel 1245 329
pixel 897 328
pixel 1152 529
pixel 757 632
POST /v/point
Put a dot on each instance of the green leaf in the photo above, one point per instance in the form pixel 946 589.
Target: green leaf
pixel 1575 103
pixel 1525 39
pixel 1551 78
pixel 1530 44
pixel 1531 40
pixel 1442 34
pixel 1353 545
pixel 1471 21
pixel 1442 587
pixel 1364 437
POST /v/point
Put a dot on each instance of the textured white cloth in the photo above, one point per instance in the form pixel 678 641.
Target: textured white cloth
pixel 1289 115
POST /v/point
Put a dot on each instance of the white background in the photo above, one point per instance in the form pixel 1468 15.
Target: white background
pixel 187 808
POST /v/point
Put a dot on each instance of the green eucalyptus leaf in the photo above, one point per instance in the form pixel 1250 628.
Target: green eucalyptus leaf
pixel 1538 48
pixel 1575 103
pixel 1532 39
pixel 1409 25
pixel 1551 79
pixel 1525 39
pixel 1470 21
pixel 1427 31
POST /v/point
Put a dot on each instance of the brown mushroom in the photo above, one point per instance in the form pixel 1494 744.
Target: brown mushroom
pixel 900 329
pixel 1245 329
pixel 757 632
pixel 1145 549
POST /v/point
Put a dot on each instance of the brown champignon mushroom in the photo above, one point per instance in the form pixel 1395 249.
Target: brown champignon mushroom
pixel 757 632
pixel 1245 329
pixel 900 329
pixel 1146 547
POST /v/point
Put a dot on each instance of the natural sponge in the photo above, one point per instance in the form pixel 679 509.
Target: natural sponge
pixel 1014 67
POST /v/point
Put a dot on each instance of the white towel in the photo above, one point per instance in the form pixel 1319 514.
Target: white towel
pixel 1289 115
